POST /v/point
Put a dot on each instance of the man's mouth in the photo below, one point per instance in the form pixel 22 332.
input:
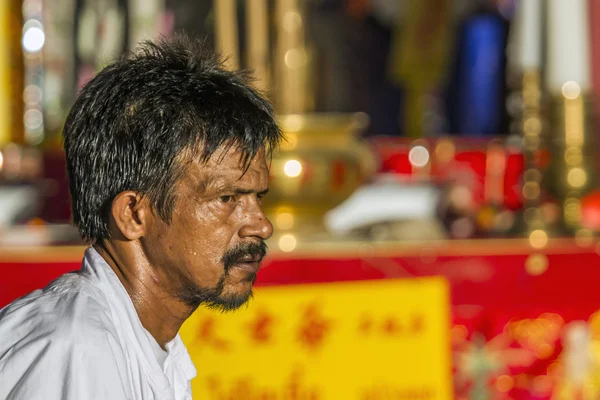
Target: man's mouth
pixel 251 258
pixel 249 263
pixel 246 257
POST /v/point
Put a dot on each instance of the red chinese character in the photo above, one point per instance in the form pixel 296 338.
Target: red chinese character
pixel 365 325
pixel 314 327
pixel 391 326
pixel 207 335
pixel 260 327
pixel 206 329
pixel 418 323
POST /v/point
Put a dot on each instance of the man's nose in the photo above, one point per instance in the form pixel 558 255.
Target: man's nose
pixel 257 224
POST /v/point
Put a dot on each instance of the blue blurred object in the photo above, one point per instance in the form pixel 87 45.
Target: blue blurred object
pixel 477 92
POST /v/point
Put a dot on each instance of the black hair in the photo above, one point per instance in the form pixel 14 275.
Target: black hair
pixel 132 124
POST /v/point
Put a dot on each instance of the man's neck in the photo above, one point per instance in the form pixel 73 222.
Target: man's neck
pixel 159 311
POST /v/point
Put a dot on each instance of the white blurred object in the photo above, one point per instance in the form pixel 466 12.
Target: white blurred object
pixel 408 230
pixel 43 235
pixel 388 12
pixel 577 356
pixel 384 201
pixel 146 20
pixel 526 38
pixel 16 202
pixel 568 54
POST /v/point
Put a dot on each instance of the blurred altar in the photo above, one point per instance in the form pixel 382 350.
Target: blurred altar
pixel 440 166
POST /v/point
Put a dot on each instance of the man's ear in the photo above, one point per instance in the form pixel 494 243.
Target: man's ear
pixel 130 212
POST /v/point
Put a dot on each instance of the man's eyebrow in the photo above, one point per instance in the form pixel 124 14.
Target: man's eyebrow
pixel 250 191
pixel 218 186
pixel 240 190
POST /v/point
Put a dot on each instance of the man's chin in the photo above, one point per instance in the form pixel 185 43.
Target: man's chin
pixel 229 302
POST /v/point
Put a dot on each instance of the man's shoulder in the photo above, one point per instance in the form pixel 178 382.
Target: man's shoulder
pixel 61 342
pixel 69 308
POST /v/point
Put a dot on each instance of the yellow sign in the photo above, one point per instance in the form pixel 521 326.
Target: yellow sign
pixel 369 340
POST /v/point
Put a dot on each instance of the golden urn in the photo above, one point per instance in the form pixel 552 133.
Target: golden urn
pixel 322 161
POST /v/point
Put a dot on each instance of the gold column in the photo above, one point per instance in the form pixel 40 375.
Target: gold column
pixel 257 25
pixel 575 173
pixel 572 170
pixel 323 159
pixel 291 59
pixel 227 32
pixel 5 92
pixel 11 72
pixel 532 129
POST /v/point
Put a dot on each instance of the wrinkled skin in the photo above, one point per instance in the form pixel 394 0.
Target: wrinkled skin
pixel 218 210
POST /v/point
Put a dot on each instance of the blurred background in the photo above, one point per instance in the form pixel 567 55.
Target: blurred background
pixel 445 150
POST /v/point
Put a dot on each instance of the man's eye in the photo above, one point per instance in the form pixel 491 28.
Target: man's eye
pixel 227 199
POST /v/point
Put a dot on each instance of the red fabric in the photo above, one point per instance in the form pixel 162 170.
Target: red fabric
pixel 495 282
pixel 468 166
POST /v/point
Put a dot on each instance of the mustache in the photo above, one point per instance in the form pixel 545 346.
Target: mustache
pixel 239 252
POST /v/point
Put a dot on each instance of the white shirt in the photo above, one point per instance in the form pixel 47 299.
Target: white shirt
pixel 80 338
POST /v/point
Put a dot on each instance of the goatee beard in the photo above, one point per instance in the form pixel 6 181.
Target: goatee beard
pixel 213 298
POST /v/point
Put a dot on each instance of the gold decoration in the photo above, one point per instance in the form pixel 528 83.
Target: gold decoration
pixel 257 33
pixel 11 73
pixel 538 239
pixel 571 173
pixel 536 264
pixel 226 35
pixel 322 162
pixel 291 58
pixel 532 129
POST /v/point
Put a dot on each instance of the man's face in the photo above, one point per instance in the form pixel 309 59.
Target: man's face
pixel 212 249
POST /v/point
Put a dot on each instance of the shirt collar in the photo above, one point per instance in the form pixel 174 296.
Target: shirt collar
pixel 130 324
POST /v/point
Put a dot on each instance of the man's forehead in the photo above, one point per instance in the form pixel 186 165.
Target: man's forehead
pixel 233 157
pixel 215 174
pixel 233 164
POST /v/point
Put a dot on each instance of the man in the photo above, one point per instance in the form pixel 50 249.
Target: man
pixel 167 162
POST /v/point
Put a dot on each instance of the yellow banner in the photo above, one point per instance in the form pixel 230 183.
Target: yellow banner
pixel 370 340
